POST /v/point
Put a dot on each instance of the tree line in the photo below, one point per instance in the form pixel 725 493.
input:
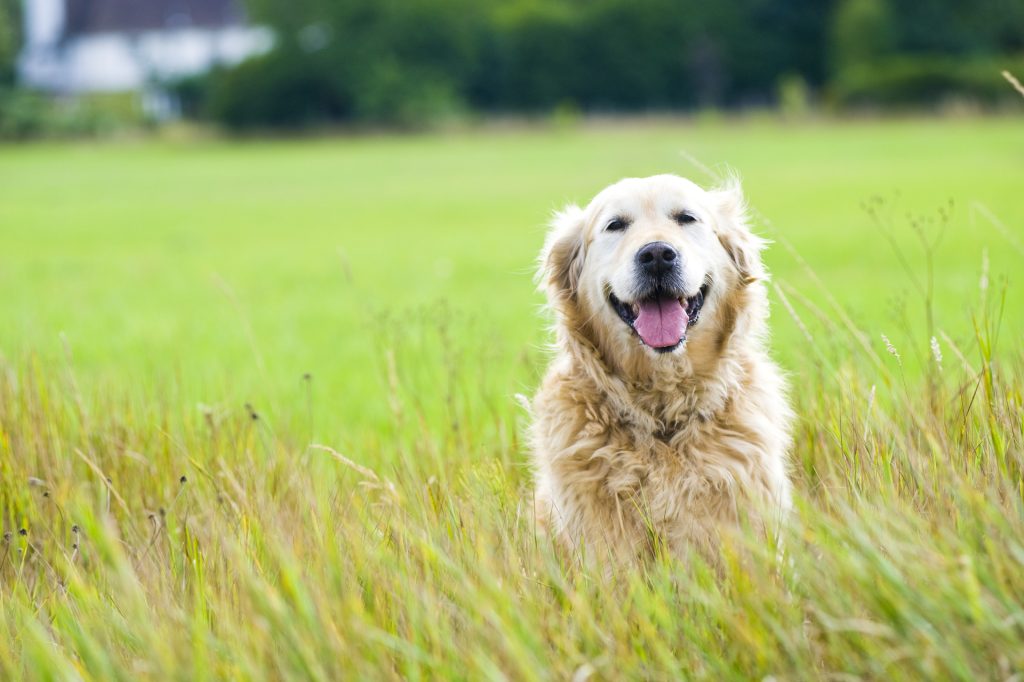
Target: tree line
pixel 408 62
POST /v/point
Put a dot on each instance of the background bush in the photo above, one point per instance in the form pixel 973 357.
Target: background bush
pixel 910 81
pixel 25 115
pixel 410 63
pixel 10 39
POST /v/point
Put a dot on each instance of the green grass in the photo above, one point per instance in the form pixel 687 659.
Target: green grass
pixel 150 290
pixel 233 269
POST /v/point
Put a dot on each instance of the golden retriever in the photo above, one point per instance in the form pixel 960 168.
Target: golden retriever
pixel 661 419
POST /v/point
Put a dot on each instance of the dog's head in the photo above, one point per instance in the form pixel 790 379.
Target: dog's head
pixel 653 269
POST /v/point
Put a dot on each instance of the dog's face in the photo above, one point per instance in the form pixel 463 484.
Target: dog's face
pixel 648 265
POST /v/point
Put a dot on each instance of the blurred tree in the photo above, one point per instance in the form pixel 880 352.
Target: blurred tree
pixel 862 32
pixel 764 41
pixel 534 60
pixel 10 40
pixel 408 62
pixel 275 90
pixel 637 55
pixel 904 53
pixel 393 61
pixel 956 27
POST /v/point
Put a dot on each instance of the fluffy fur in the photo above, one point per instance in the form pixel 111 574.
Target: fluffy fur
pixel 633 448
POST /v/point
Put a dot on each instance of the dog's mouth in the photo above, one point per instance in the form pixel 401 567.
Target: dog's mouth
pixel 661 320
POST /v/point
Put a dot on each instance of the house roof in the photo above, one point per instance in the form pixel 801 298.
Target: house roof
pixel 127 16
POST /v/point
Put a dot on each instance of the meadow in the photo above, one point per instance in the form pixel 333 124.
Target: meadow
pixel 258 414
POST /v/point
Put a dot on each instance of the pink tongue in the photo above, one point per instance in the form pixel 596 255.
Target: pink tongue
pixel 661 323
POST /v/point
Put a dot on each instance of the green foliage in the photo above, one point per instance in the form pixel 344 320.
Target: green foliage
pixel 949 27
pixel 407 96
pixel 26 115
pixel 10 40
pixel 402 62
pixel 890 53
pixel 794 97
pixel 413 63
pixel 862 32
pixel 22 114
pixel 916 81
pixel 273 90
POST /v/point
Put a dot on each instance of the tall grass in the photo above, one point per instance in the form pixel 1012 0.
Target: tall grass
pixel 147 540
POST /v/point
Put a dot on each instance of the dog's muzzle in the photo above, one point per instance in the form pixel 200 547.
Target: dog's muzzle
pixel 660 312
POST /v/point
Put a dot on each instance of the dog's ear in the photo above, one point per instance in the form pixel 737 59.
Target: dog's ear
pixel 733 231
pixel 561 260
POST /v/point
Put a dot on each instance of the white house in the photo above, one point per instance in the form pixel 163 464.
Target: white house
pixel 77 46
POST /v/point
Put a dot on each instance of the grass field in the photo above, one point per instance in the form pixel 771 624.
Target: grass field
pixel 182 320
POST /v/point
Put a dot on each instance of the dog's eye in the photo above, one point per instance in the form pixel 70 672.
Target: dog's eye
pixel 616 225
pixel 684 218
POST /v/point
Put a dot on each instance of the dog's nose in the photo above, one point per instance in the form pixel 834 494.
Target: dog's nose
pixel 657 258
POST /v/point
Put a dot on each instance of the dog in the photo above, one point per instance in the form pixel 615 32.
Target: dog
pixel 661 420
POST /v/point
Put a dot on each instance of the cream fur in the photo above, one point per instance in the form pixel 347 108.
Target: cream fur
pixel 632 448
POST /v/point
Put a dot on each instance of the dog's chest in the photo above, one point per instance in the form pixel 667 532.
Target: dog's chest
pixel 686 459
